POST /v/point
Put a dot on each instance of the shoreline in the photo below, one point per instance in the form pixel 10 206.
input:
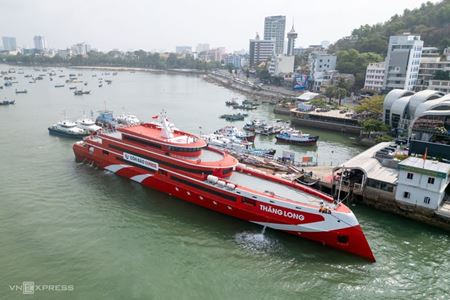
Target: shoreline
pixel 137 69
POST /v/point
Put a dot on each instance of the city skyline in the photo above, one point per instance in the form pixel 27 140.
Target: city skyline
pixel 159 27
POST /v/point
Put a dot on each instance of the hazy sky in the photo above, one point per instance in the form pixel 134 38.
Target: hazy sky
pixel 163 24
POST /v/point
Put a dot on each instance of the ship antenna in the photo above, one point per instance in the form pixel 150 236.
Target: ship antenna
pixel 166 131
pixel 340 185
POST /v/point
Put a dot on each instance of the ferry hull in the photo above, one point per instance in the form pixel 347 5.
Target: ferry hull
pixel 67 135
pixel 356 242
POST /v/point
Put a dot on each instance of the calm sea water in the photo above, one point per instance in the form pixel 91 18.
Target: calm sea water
pixel 63 223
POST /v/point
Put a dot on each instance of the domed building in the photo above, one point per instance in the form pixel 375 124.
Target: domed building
pixel 425 118
pixel 400 106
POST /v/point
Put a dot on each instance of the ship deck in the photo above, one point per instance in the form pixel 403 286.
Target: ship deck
pixel 206 156
pixel 280 190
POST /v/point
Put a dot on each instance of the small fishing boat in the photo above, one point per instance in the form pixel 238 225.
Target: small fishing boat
pixel 21 91
pixel 232 131
pixel 296 137
pixel 234 117
pixel 7 102
pixel 231 102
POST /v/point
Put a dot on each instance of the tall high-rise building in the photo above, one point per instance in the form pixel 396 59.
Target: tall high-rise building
pixel 274 29
pixel 39 42
pixel 260 50
pixel 402 62
pixel 292 35
pixel 9 43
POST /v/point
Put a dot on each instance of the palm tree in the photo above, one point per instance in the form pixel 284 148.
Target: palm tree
pixel 340 93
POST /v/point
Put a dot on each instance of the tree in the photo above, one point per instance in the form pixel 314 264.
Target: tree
pixel 230 68
pixel 330 92
pixel 430 21
pixel 371 125
pixel 264 75
pixel 353 62
pixel 371 107
pixel 340 93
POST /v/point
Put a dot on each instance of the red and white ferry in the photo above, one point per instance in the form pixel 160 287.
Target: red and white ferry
pixel 183 165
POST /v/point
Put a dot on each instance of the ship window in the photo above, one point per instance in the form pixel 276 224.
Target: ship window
pixel 203 188
pixel 162 172
pixel 431 180
pixel 249 201
pixel 406 195
pixel 226 171
pixel 426 200
pixel 181 149
pixel 105 152
pixel 168 164
pixel 141 141
pixel 410 175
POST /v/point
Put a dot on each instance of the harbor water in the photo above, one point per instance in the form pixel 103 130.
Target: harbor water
pixel 69 224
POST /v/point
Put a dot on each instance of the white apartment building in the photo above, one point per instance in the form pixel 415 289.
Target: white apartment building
pixel 430 63
pixel 281 64
pixel 375 76
pixel 439 85
pixel 322 66
pixel 260 50
pixel 422 182
pixel 402 62
pixel 81 49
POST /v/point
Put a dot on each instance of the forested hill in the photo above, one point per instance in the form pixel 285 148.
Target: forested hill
pixel 430 21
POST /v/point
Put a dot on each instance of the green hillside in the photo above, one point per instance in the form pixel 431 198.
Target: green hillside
pixel 430 21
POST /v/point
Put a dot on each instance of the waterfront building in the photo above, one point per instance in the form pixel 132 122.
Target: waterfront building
pixel 332 120
pixel 183 49
pixel 234 60
pixel 414 187
pixel 402 62
pixel 431 62
pixel 429 130
pixel 260 50
pixel 40 43
pixel 9 43
pixel 374 76
pixel 281 64
pixel 274 29
pixel 423 118
pixel 292 35
pixel 402 106
pixel 422 182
